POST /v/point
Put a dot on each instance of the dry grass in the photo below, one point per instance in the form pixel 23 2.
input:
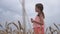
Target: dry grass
pixel 8 29
pixel 52 30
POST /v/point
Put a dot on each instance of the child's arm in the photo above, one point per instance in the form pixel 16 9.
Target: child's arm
pixel 41 19
pixel 33 21
pixel 37 22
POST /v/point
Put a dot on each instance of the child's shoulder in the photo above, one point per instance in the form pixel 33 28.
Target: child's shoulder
pixel 40 16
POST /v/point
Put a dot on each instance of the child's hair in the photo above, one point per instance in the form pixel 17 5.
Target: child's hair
pixel 40 6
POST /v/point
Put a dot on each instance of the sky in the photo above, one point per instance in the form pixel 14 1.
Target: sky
pixel 11 10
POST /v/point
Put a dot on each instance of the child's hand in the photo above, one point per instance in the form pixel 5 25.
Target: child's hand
pixel 31 20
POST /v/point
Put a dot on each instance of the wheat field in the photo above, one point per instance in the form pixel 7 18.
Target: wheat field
pixel 19 29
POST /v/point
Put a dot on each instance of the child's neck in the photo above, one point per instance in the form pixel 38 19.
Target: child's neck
pixel 39 14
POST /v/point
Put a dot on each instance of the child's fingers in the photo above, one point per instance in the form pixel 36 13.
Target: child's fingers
pixel 31 19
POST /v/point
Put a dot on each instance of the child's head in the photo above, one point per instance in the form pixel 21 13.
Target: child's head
pixel 39 7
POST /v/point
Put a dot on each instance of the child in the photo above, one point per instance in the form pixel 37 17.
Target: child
pixel 38 23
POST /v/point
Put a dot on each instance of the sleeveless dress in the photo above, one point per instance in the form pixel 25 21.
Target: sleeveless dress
pixel 38 29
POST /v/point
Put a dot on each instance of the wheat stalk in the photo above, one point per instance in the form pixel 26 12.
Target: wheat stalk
pixel 1 26
pixel 56 26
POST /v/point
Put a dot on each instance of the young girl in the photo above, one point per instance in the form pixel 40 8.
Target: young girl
pixel 38 23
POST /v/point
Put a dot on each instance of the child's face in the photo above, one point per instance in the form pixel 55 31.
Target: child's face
pixel 37 10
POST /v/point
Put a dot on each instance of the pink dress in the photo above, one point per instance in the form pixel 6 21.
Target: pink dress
pixel 38 29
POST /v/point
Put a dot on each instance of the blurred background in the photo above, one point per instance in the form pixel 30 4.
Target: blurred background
pixel 11 11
